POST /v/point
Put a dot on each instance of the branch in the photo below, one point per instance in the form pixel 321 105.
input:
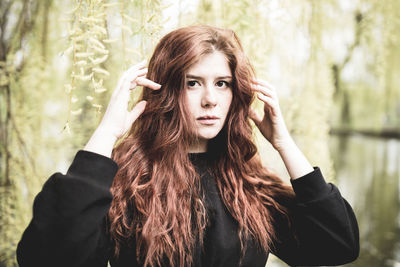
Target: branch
pixel 3 24
pixel 337 68
pixel 26 21
pixel 45 28
pixel 23 145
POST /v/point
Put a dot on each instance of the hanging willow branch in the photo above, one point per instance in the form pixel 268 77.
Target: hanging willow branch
pixel 87 37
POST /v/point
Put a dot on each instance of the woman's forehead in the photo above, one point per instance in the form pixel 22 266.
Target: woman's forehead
pixel 214 64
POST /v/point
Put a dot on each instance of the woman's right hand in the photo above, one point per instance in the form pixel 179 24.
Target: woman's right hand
pixel 117 120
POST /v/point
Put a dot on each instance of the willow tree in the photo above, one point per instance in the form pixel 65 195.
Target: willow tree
pixel 58 66
pixel 366 81
pixel 18 26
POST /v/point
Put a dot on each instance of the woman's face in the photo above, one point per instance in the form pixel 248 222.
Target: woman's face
pixel 208 96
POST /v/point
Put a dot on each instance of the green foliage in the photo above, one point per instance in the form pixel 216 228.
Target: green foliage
pixel 334 64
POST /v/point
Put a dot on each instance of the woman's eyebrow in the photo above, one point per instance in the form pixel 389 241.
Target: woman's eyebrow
pixel 224 77
pixel 190 76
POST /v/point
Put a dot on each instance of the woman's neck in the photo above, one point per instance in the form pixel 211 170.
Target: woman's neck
pixel 199 146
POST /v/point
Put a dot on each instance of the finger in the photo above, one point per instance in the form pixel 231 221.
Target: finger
pixel 264 87
pixel 270 106
pixel 148 83
pixel 137 111
pixel 130 81
pixel 131 78
pixel 267 100
pixel 254 116
pixel 134 79
pixel 126 80
pixel 131 71
pixel 264 83
pixel 265 91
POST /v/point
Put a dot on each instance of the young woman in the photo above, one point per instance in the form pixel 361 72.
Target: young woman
pixel 185 186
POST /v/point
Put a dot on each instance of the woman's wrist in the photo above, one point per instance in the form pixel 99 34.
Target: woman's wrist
pixel 285 143
pixel 296 163
pixel 101 142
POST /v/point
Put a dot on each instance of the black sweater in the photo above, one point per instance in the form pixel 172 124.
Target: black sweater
pixel 68 227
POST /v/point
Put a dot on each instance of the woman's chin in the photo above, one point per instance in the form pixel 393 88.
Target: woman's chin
pixel 207 135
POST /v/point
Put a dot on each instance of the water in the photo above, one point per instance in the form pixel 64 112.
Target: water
pixel 368 175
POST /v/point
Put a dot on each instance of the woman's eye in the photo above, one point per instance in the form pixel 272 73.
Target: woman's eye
pixel 191 83
pixel 222 84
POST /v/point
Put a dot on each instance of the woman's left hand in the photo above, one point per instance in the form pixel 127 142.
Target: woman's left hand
pixel 271 125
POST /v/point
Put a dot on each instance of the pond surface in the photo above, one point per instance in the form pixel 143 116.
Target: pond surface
pixel 368 176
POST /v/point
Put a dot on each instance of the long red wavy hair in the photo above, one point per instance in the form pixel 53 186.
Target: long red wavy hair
pixel 157 201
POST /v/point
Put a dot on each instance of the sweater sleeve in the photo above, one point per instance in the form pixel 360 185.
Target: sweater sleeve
pixel 68 227
pixel 323 228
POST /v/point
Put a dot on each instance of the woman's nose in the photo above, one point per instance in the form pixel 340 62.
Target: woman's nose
pixel 209 98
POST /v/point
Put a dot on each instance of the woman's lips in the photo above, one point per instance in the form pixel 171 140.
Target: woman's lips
pixel 208 120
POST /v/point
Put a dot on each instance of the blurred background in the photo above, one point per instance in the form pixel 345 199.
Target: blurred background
pixel 335 64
